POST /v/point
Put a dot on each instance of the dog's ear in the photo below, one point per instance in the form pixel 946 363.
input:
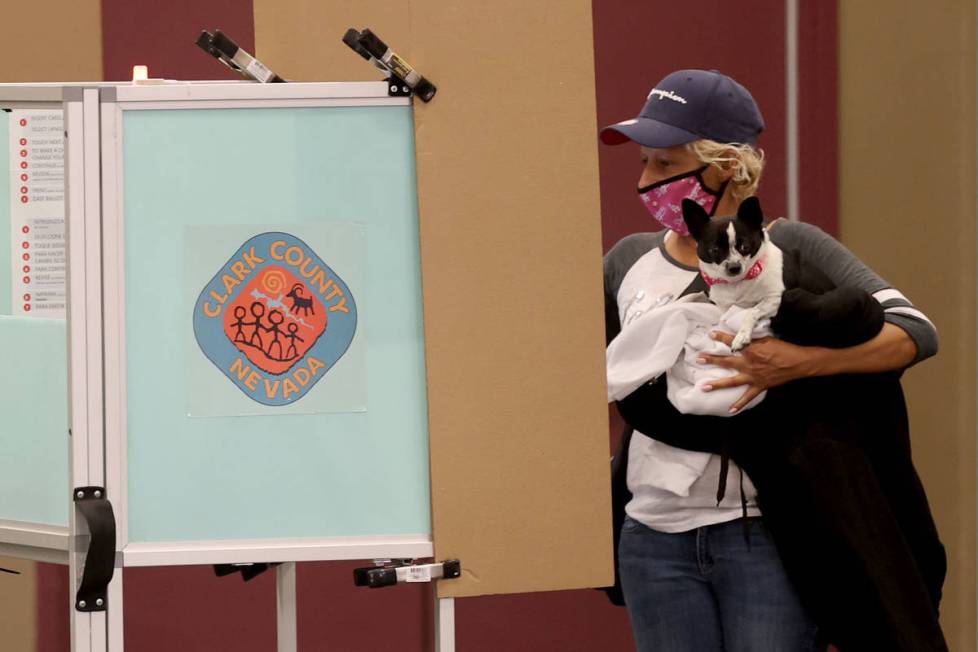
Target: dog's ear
pixel 695 217
pixel 750 213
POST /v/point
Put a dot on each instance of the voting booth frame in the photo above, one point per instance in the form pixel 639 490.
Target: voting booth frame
pixel 97 356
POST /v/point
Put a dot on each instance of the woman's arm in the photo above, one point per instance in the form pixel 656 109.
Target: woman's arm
pixel 846 270
pixel 892 349
pixel 770 362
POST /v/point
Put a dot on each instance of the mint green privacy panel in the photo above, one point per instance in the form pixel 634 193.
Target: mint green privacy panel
pixel 34 409
pixel 33 393
pixel 331 192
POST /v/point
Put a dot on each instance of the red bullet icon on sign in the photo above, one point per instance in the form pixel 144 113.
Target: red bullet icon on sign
pixel 26 229
pixel 27 297
pixel 23 153
pixel 23 141
pixel 23 190
pixel 27 307
pixel 23 122
pixel 25 245
pixel 23 165
pixel 27 280
pixel 27 269
pixel 23 177
pixel 27 256
pixel 23 199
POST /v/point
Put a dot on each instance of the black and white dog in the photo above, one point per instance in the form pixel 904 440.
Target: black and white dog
pixel 739 262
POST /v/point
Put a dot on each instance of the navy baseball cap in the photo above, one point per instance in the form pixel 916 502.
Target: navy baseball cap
pixel 688 105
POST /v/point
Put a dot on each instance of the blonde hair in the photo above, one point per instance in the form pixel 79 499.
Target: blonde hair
pixel 745 161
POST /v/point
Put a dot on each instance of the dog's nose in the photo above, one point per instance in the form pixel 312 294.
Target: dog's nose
pixel 734 269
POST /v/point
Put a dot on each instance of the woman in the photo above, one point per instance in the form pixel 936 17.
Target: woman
pixel 690 579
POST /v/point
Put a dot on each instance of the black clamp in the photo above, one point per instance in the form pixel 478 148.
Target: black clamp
pixel 388 572
pixel 249 571
pixel 100 557
pixel 402 79
pixel 397 87
pixel 220 46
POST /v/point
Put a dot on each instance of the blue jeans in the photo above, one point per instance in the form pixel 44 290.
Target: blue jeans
pixel 703 590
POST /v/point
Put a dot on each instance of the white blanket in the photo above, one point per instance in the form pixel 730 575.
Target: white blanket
pixel 668 340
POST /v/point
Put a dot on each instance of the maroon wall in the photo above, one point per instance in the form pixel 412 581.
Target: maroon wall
pixel 53 624
pixel 161 35
pixel 636 43
pixel 818 113
pixel 191 610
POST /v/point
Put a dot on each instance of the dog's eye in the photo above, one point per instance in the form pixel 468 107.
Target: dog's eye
pixel 714 252
pixel 744 249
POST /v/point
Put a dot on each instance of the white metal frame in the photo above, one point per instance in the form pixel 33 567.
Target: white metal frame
pixel 82 205
pixel 96 341
pixel 285 607
pixel 35 541
pixel 52 543
pixel 242 551
pixel 114 102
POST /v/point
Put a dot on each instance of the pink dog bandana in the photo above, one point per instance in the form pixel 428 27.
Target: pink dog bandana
pixel 752 273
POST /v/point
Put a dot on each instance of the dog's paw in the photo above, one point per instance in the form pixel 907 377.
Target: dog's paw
pixel 740 342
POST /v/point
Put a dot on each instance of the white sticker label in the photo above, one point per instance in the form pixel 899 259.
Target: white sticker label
pixel 419 574
pixel 259 71
pixel 37 213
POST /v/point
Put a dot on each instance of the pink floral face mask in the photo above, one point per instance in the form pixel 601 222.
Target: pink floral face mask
pixel 664 199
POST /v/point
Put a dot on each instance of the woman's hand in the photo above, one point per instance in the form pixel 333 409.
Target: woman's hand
pixel 766 362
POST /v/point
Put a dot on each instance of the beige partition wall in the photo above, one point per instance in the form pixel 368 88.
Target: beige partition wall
pixel 18 595
pixel 51 41
pixel 907 165
pixel 511 255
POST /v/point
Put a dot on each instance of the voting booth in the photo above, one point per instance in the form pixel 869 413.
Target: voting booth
pixel 212 328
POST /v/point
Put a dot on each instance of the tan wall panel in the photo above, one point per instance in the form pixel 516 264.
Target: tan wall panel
pixel 511 255
pixel 51 41
pixel 18 604
pixel 907 164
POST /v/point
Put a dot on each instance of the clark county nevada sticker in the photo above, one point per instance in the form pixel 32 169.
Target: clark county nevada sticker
pixel 275 319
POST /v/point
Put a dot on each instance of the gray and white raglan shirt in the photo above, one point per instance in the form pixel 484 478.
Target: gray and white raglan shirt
pixel 639 275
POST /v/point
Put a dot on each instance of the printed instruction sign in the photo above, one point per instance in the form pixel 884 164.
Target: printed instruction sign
pixel 37 213
pixel 275 314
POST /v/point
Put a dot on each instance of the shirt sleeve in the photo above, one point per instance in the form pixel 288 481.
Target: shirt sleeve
pixel 617 262
pixel 845 269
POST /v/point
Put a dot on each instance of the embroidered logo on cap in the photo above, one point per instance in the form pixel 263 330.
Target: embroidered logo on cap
pixel 666 95
pixel 275 318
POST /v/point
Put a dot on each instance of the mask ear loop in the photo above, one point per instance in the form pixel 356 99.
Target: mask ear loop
pixel 698 173
pixel 716 193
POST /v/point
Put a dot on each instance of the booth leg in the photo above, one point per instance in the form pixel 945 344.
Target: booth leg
pixel 115 612
pixel 444 624
pixel 288 639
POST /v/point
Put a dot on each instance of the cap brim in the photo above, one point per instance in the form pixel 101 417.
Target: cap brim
pixel 647 132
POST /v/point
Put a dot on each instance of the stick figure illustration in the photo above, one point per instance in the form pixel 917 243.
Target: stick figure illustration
pixel 293 353
pixel 275 318
pixel 257 311
pixel 239 324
